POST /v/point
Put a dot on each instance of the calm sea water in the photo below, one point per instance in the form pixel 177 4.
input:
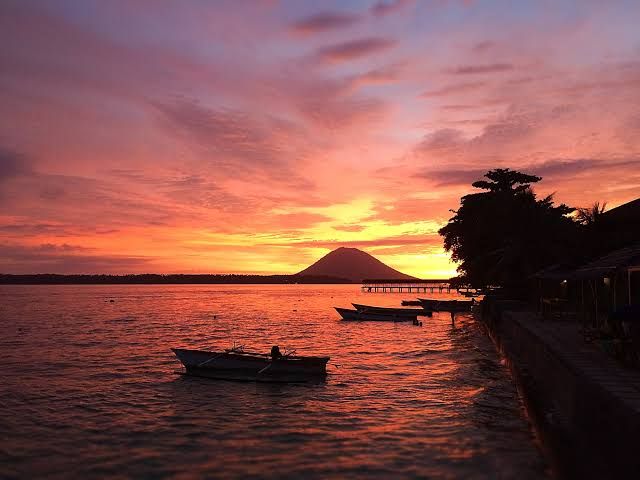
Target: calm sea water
pixel 88 389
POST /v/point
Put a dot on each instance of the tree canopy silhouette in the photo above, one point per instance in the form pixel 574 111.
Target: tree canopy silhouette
pixel 592 215
pixel 504 234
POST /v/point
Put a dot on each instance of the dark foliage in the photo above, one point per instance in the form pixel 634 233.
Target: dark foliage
pixel 592 215
pixel 505 234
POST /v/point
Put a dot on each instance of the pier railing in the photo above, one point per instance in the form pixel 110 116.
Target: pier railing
pixel 409 286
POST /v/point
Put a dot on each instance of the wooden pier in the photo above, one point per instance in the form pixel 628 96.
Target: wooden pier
pixel 408 286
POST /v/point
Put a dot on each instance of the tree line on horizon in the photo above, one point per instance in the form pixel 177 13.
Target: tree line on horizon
pixel 151 278
pixel 504 234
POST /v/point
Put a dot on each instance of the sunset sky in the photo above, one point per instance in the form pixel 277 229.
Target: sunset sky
pixel 254 137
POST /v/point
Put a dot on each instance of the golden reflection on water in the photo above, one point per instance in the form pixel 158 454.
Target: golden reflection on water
pixel 94 377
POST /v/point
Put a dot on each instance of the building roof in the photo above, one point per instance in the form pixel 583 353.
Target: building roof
pixel 626 215
pixel 554 272
pixel 620 259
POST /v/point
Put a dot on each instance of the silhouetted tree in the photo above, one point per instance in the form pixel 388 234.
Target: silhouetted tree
pixel 590 216
pixel 504 180
pixel 596 240
pixel 503 235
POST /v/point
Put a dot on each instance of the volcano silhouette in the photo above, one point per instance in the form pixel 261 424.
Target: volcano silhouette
pixel 354 265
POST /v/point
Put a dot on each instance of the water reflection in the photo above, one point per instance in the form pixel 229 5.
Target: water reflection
pixel 406 402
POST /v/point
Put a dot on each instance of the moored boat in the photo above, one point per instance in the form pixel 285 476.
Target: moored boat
pixel 238 364
pixel 410 303
pixel 392 311
pixel 447 305
pixel 349 314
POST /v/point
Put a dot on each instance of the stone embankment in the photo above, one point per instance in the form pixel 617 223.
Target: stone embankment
pixel 584 405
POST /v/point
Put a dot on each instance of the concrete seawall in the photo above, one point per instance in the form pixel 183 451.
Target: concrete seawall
pixel 584 405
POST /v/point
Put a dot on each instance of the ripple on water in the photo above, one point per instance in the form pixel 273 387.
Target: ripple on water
pixel 90 390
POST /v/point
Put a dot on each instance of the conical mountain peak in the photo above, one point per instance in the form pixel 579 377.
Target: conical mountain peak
pixel 353 264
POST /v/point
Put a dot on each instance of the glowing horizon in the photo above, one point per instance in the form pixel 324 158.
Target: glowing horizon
pixel 255 137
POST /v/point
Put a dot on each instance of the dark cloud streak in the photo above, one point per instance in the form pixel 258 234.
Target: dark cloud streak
pixel 355 49
pixel 238 143
pixel 429 239
pixel 453 89
pixel 325 21
pixel 382 8
pixel 12 164
pixel 481 69
pixel 64 259
pixel 551 169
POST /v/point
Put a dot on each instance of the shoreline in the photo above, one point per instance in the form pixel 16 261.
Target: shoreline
pixel 583 405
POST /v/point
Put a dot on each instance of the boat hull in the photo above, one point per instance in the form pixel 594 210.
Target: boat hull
pixel 447 305
pixel 410 303
pixel 348 314
pixel 232 376
pixel 211 364
pixel 411 312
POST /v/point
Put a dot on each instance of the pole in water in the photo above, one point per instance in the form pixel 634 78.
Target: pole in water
pixel 453 316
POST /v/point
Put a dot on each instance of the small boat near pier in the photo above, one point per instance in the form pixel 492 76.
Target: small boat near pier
pixel 349 314
pixel 392 311
pixel 410 303
pixel 452 306
pixel 237 364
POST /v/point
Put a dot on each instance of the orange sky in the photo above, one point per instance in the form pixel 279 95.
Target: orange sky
pixel 254 137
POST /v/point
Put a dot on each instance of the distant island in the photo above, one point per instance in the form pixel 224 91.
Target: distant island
pixel 343 265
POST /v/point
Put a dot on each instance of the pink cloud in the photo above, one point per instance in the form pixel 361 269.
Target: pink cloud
pixel 12 164
pixel 325 21
pixel 483 46
pixel 454 89
pixel 190 123
pixel 480 69
pixel 349 228
pixel 64 259
pixel 382 7
pixel 395 241
pixel 382 75
pixel 355 49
